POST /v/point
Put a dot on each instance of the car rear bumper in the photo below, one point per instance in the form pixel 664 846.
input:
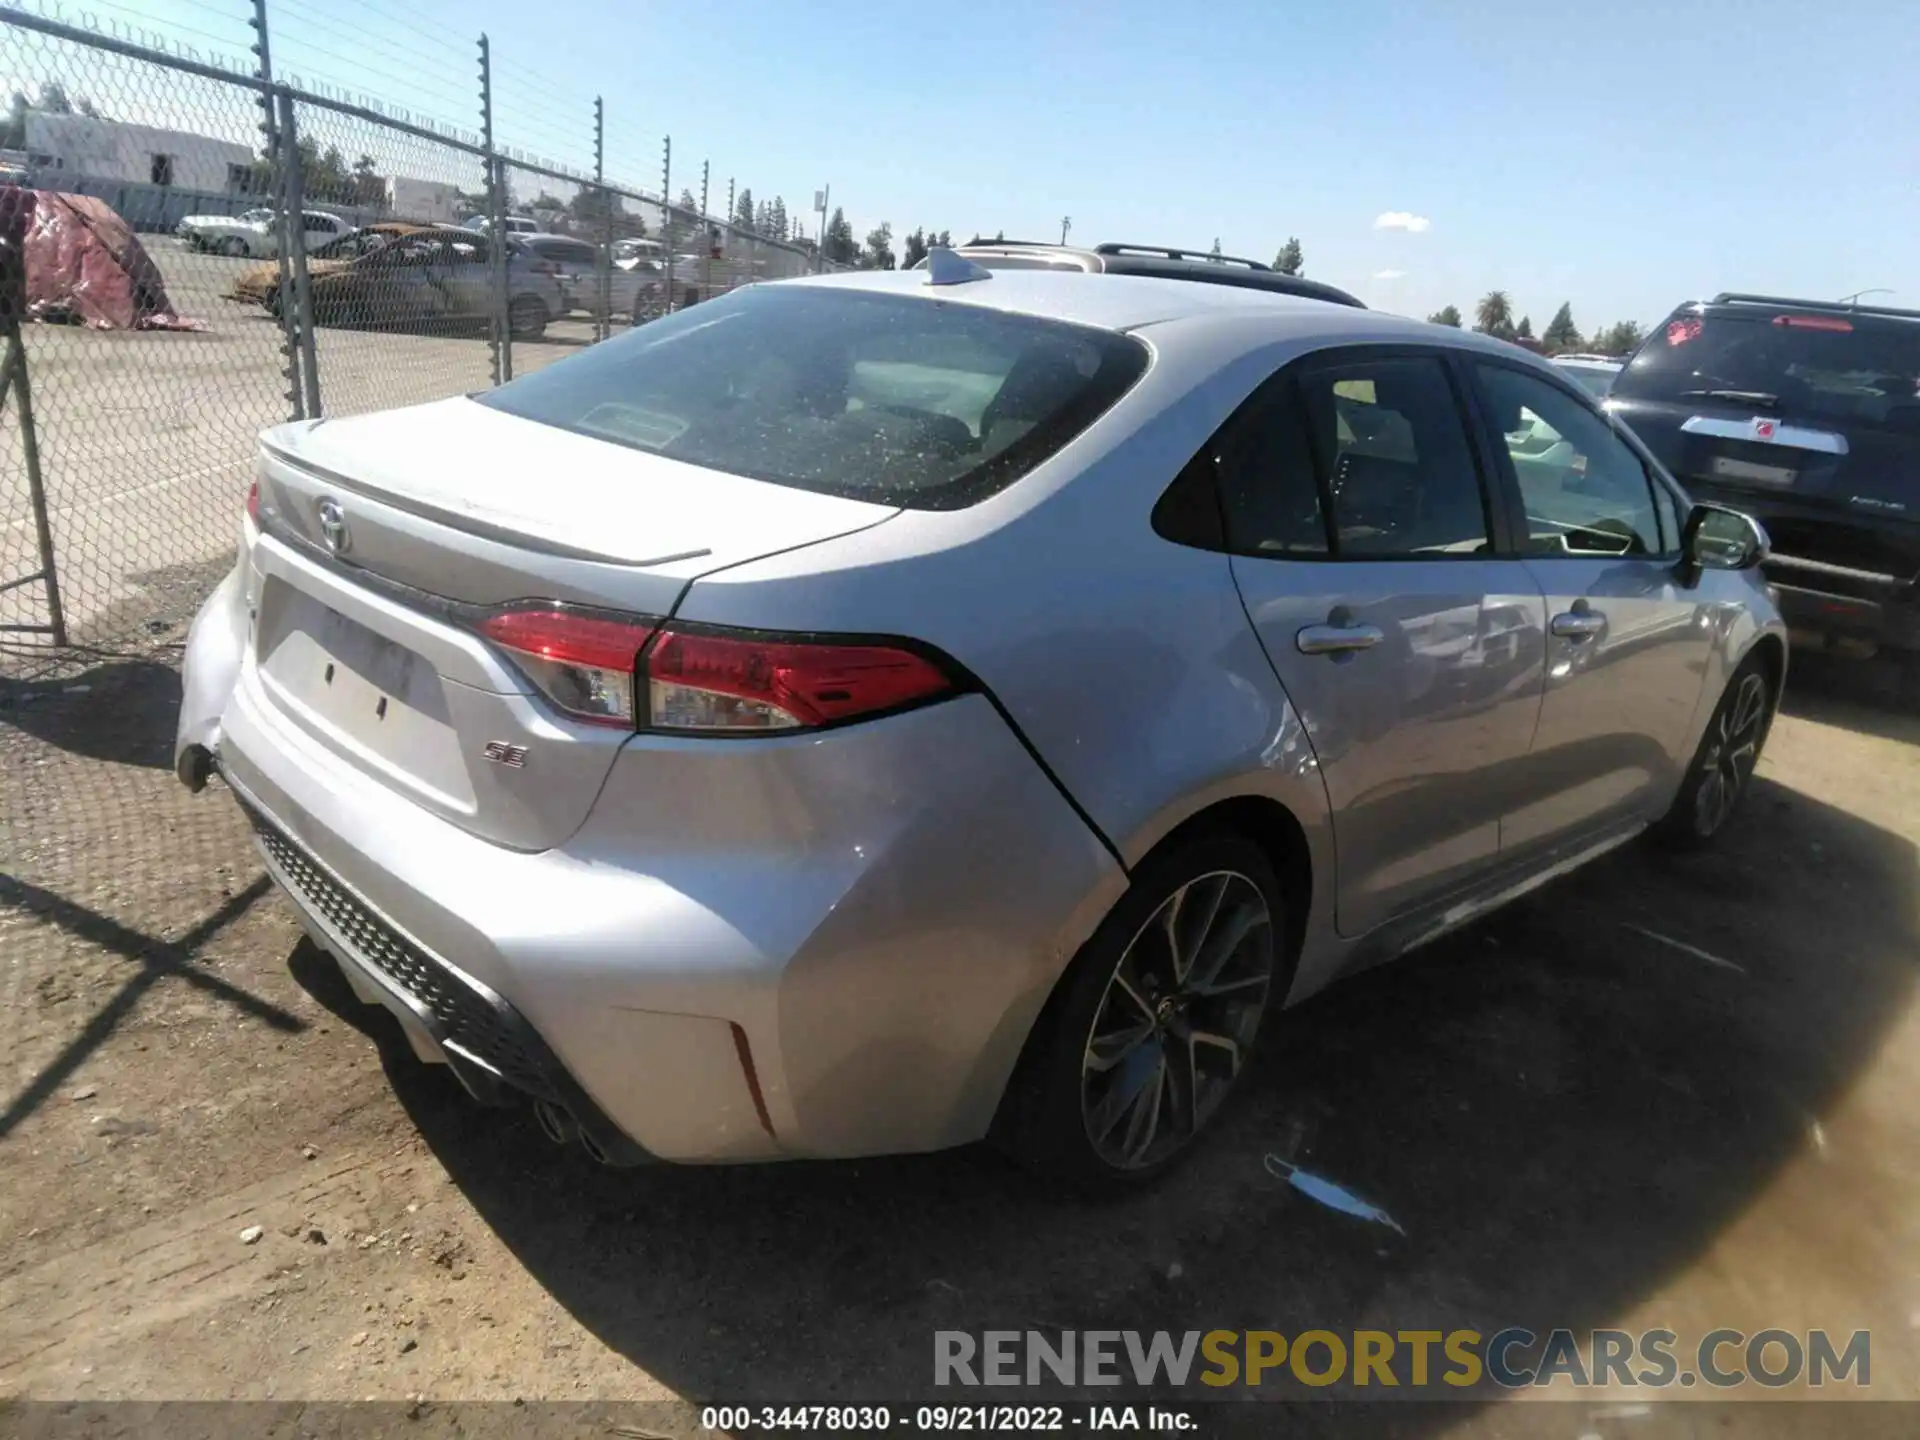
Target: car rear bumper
pixel 830 945
pixel 1887 617
pixel 1845 580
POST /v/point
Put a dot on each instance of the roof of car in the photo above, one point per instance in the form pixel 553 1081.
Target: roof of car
pixel 1161 260
pixel 1131 302
pixel 1735 300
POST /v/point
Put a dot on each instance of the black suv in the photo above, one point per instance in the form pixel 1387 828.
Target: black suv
pixel 1148 260
pixel 1806 415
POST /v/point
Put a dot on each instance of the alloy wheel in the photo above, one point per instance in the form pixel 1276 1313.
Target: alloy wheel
pixel 1732 750
pixel 1177 1020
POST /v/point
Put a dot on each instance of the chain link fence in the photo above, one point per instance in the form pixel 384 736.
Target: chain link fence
pixel 305 253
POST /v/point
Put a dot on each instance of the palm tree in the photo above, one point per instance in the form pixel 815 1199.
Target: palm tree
pixel 1495 315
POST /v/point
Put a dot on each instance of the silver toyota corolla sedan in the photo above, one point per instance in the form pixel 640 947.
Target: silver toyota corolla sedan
pixel 876 712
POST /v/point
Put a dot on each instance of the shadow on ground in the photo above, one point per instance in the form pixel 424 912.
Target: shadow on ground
pixel 1859 695
pixel 1559 1109
pixel 119 710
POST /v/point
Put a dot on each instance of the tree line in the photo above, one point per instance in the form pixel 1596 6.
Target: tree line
pixel 1494 316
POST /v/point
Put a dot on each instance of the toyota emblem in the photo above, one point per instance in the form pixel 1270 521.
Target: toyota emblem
pixel 333 525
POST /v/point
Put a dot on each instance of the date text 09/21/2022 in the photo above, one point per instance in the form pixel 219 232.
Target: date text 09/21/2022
pixel 743 1419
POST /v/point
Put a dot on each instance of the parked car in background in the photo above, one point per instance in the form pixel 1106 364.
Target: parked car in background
pixel 435 277
pixel 634 287
pixel 261 284
pixel 680 738
pixel 190 227
pixel 1158 260
pixel 1806 415
pixel 257 233
pixel 511 224
pixel 574 263
pixel 1595 372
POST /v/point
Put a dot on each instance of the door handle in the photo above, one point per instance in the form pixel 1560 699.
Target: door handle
pixel 1577 624
pixel 1338 639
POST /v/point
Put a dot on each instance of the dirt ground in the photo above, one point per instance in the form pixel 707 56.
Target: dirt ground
pixel 1661 1092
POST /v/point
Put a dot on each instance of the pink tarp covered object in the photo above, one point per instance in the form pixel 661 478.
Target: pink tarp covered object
pixel 85 264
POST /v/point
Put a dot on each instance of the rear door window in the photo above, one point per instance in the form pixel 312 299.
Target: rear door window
pixel 1395 465
pixel 907 401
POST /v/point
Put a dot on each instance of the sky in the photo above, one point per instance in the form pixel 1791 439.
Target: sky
pixel 1620 155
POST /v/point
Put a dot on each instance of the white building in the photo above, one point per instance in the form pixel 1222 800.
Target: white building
pixel 141 154
pixel 428 200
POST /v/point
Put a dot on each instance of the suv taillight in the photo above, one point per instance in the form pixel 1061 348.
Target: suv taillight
pixel 253 502
pixel 628 671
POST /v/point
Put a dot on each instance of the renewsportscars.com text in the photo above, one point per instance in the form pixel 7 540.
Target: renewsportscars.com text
pixel 1414 1359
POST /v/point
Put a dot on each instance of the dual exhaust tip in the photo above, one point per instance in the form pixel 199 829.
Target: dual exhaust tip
pixel 559 1126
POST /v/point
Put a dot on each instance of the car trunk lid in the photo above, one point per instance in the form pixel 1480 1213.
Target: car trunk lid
pixel 387 539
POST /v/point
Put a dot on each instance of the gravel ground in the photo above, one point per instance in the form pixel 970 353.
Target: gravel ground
pixel 1660 1092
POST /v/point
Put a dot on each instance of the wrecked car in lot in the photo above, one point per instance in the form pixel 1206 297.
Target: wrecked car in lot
pixel 417 277
pixel 261 283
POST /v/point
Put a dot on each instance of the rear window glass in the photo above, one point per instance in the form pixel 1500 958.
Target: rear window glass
pixel 1855 371
pixel 907 401
pixel 560 249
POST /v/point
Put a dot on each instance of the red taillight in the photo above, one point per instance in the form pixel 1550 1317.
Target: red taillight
pixel 713 683
pixel 1815 322
pixel 583 663
pixel 705 682
pixel 253 502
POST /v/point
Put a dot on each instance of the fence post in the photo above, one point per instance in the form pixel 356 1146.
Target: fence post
pixel 278 163
pixel 666 215
pixel 13 377
pixel 296 243
pixel 499 336
pixel 706 236
pixel 603 266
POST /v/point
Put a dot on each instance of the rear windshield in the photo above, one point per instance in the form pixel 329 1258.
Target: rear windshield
pixel 898 399
pixel 560 249
pixel 1856 371
pixel 1596 379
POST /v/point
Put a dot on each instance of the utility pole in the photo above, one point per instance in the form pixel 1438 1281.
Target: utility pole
pixel 706 237
pixel 1066 224
pixel 820 199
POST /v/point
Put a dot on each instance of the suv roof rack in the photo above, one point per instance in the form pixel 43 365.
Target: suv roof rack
pixel 1737 297
pixel 1166 252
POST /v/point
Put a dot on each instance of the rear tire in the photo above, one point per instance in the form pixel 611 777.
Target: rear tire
pixel 527 317
pixel 1724 763
pixel 1150 1031
pixel 232 245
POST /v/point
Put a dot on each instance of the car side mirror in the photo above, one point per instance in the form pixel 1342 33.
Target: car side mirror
pixel 1717 538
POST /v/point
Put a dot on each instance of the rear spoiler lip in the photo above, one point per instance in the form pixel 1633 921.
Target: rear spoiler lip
pixel 469 521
